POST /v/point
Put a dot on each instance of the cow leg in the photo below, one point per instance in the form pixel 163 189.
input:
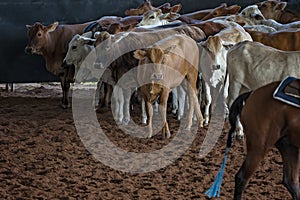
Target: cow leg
pixel 149 112
pixel 208 101
pixel 99 95
pixel 239 130
pixel 191 109
pixel 234 91
pixel 163 111
pixel 118 104
pixel 174 101
pixel 155 106
pixel 127 96
pixel 144 112
pixel 225 96
pixel 290 156
pixel 65 85
pixel 250 164
pixel 108 93
pixel 194 106
pixel 181 101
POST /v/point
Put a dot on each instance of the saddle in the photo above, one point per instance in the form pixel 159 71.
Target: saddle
pixel 288 91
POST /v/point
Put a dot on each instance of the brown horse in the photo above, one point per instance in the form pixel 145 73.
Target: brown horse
pixel 267 122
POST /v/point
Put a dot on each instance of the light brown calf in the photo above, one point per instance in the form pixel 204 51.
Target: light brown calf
pixel 162 67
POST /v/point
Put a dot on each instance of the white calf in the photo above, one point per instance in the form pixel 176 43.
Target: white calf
pixel 213 54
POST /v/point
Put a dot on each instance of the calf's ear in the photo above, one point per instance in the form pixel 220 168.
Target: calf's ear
pixel 88 34
pixel 281 6
pixel 139 54
pixel 223 5
pixel 52 27
pixel 28 27
pixel 234 9
pixel 176 8
pixel 259 4
pixel 86 40
pixel 169 49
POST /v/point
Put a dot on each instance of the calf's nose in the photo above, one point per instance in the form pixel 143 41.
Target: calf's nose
pixel 216 67
pixel 28 50
pixel 157 76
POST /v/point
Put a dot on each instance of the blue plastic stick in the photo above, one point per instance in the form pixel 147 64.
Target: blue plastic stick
pixel 215 189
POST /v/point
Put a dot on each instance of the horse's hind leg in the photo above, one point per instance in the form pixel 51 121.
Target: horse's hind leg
pixel 290 156
pixel 251 162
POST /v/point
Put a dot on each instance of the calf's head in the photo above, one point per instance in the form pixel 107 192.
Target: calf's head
pixel 213 59
pixel 155 56
pixel 78 49
pixel 141 9
pixel 153 17
pixel 38 36
pixel 272 9
pixel 253 13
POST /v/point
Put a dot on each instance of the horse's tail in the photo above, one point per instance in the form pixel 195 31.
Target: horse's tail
pixel 234 112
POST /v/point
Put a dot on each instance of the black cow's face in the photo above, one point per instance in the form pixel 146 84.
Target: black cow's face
pixel 37 37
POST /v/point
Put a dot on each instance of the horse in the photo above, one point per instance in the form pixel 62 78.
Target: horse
pixel 267 122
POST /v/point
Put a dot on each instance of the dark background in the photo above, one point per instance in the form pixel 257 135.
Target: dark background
pixel 16 66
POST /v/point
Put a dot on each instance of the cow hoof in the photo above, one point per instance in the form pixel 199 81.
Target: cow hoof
pixel 168 134
pixel 174 111
pixel 65 106
pixel 144 120
pixel 126 121
pixel 187 128
pixel 239 137
pixel 119 122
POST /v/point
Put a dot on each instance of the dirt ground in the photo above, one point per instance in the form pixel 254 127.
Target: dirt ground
pixel 42 157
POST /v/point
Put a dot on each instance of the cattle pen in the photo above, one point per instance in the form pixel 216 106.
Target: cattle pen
pixel 50 149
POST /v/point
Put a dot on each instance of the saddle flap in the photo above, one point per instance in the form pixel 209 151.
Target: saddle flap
pixel 293 88
pixel 288 91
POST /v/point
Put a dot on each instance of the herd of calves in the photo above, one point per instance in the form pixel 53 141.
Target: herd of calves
pixel 159 52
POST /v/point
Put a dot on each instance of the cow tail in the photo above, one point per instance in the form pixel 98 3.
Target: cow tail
pixel 234 112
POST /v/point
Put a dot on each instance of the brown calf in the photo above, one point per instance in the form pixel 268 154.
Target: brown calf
pixel 284 40
pixel 221 10
pixel 172 60
pixel 51 42
pixel 275 9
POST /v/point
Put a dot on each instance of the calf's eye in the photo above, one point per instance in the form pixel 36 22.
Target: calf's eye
pixel 74 47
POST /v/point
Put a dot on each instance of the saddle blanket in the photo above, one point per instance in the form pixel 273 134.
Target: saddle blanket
pixel 288 91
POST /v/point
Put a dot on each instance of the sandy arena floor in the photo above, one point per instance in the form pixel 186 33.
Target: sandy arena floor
pixel 42 157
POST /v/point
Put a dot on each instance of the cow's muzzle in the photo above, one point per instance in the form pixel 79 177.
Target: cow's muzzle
pixel 157 76
pixel 216 67
pixel 28 50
